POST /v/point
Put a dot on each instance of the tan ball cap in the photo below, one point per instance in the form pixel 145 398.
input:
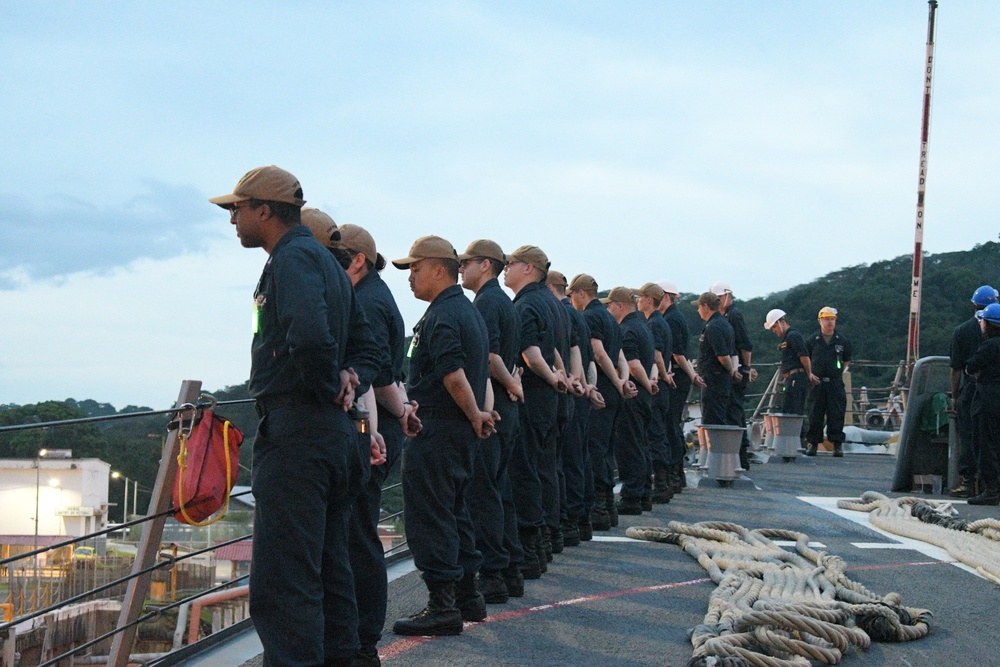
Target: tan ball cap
pixel 620 295
pixel 556 279
pixel 266 184
pixel 322 226
pixel 583 282
pixel 653 291
pixel 427 247
pixel 484 248
pixel 530 255
pixel 357 239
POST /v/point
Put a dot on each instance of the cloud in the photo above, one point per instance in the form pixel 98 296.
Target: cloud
pixel 52 239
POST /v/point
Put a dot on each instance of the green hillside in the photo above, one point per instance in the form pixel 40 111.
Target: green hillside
pixel 874 311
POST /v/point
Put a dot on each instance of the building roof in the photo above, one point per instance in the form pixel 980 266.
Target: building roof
pixel 237 551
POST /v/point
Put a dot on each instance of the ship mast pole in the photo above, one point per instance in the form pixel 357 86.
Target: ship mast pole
pixel 913 338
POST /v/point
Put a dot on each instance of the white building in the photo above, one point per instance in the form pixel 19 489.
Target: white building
pixel 71 496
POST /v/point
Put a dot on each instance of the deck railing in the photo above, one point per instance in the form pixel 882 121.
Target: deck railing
pixel 112 593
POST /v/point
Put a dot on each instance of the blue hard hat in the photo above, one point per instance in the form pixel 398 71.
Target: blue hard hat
pixel 984 296
pixel 990 313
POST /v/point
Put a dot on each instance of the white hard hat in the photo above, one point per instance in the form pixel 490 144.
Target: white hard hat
pixel 720 288
pixel 669 287
pixel 772 318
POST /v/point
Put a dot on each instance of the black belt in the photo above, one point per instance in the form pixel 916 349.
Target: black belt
pixel 784 376
pixel 450 414
pixel 265 404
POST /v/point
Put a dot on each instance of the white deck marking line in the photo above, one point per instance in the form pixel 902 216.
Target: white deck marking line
pixel 898 541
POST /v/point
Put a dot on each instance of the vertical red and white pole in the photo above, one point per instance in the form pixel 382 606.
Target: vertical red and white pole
pixel 913 339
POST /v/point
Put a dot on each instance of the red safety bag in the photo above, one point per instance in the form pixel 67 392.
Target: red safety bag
pixel 207 467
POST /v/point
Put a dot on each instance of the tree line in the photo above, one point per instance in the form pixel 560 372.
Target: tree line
pixel 872 300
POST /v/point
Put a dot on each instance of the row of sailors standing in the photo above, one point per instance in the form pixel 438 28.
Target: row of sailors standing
pixel 577 388
pixel 508 429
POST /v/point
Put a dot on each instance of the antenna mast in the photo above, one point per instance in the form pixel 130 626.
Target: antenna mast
pixel 913 339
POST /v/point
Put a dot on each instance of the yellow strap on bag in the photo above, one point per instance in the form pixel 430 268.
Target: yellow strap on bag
pixel 182 464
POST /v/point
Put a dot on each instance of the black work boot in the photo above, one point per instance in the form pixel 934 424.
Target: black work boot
pixel 469 600
pixel 514 580
pixel 586 529
pixel 599 518
pixel 612 508
pixel 571 533
pixel 440 617
pixel 543 547
pixel 630 506
pixel 677 478
pixel 662 487
pixel 557 539
pixel 965 488
pixel 493 588
pixel 530 568
pixel 990 494
pixel 811 450
pixel 647 503
pixel 838 449
pixel 367 656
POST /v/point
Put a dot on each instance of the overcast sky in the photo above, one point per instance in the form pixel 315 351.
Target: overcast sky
pixel 764 143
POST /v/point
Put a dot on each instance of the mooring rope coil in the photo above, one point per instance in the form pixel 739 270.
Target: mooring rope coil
pixel 973 543
pixel 774 607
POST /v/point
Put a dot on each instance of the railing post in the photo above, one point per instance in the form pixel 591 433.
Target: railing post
pixel 152 534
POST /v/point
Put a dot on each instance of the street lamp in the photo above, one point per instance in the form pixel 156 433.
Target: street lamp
pixel 117 475
pixel 38 475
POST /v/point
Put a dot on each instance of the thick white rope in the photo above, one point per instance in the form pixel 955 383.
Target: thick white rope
pixel 976 545
pixel 778 608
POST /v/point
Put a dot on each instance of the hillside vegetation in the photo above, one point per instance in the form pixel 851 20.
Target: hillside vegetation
pixel 873 301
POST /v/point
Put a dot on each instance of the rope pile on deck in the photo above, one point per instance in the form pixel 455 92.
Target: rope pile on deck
pixel 778 608
pixel 973 543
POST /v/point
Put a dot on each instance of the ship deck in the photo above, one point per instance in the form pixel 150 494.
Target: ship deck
pixel 618 601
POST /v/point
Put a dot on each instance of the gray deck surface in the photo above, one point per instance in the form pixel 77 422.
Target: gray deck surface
pixel 616 601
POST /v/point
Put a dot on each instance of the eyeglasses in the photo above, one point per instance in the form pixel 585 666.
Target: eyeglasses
pixel 465 262
pixel 236 207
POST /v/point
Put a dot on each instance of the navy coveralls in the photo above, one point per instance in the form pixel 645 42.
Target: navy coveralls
pixel 659 441
pixel 986 407
pixel 437 463
pixel 605 328
pixel 795 380
pixel 635 466
pixel 538 413
pixel 578 477
pixel 367 552
pixel 490 497
pixel 717 340
pixel 679 393
pixel 550 467
pixel 964 342
pixel 828 399
pixel 308 462
pixel 743 344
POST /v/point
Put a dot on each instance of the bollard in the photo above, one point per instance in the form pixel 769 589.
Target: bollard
pixel 787 432
pixel 723 443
